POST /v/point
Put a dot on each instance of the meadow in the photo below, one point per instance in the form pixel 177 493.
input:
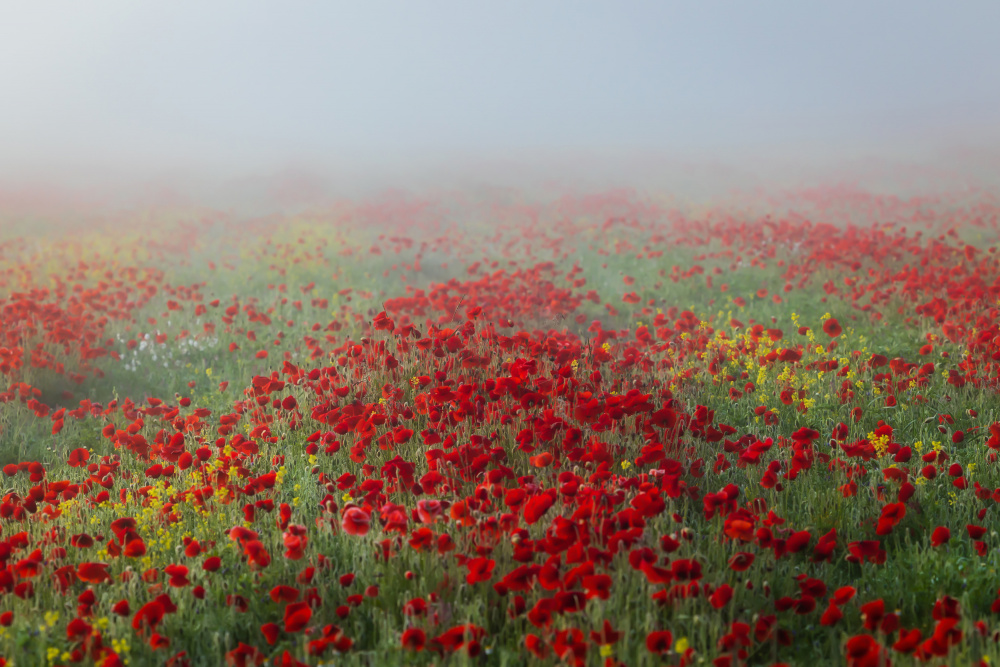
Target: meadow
pixel 600 429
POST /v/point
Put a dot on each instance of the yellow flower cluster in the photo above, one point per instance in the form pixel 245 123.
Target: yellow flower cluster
pixel 880 443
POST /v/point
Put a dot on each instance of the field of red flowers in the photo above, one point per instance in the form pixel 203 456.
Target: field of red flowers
pixel 597 430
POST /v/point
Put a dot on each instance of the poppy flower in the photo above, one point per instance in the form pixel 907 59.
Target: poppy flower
pixel 135 548
pixel 862 650
pixel 82 541
pixel 831 327
pixel 282 593
pixel 413 639
pixel 536 646
pixel 832 615
pixel 891 515
pixel 24 590
pixel 270 632
pixel 288 660
pixel 356 521
pixel 148 616
pixel 429 510
pixel 78 457
pixel 256 554
pixel 244 655
pixel 940 536
pixel 415 607
pixel 597 586
pixel 93 573
pixel 908 640
pixel 659 641
pixel 741 561
pixel 739 527
pixel 178 575
pixel 125 523
pixel 872 612
pixel 537 506
pixel 78 630
pixel 480 569
pixel 975 532
pixel 721 596
pixel 294 545
pixel 242 535
pixel 541 460
pixel 168 604
pixel 297 616
pixel 458 636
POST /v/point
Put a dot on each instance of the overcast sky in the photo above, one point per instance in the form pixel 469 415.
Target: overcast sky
pixel 240 87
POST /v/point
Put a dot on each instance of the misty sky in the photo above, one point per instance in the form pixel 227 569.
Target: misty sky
pixel 247 85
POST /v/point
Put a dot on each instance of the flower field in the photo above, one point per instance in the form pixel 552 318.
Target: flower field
pixel 597 430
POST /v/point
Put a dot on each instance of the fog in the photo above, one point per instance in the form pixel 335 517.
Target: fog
pixel 272 105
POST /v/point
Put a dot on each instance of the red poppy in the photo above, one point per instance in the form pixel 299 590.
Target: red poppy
pixel 659 641
pixel 457 637
pixel 480 569
pixel 414 639
pixel 288 660
pixel 356 521
pixel 78 457
pixel 831 327
pixel 537 646
pixel 297 616
pixel 270 632
pixel 295 543
pixel 135 548
pixel 872 612
pixel 975 532
pixel 940 536
pixel 536 507
pixel 741 561
pixel 597 586
pixel 832 615
pixel 148 616
pixel 282 593
pixel 244 656
pixel 257 555
pixel 178 575
pixel 93 573
pixel 862 650
pixel 908 640
pixel 82 541
pixel 721 596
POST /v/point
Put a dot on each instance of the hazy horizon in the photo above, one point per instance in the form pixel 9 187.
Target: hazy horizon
pixel 305 100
